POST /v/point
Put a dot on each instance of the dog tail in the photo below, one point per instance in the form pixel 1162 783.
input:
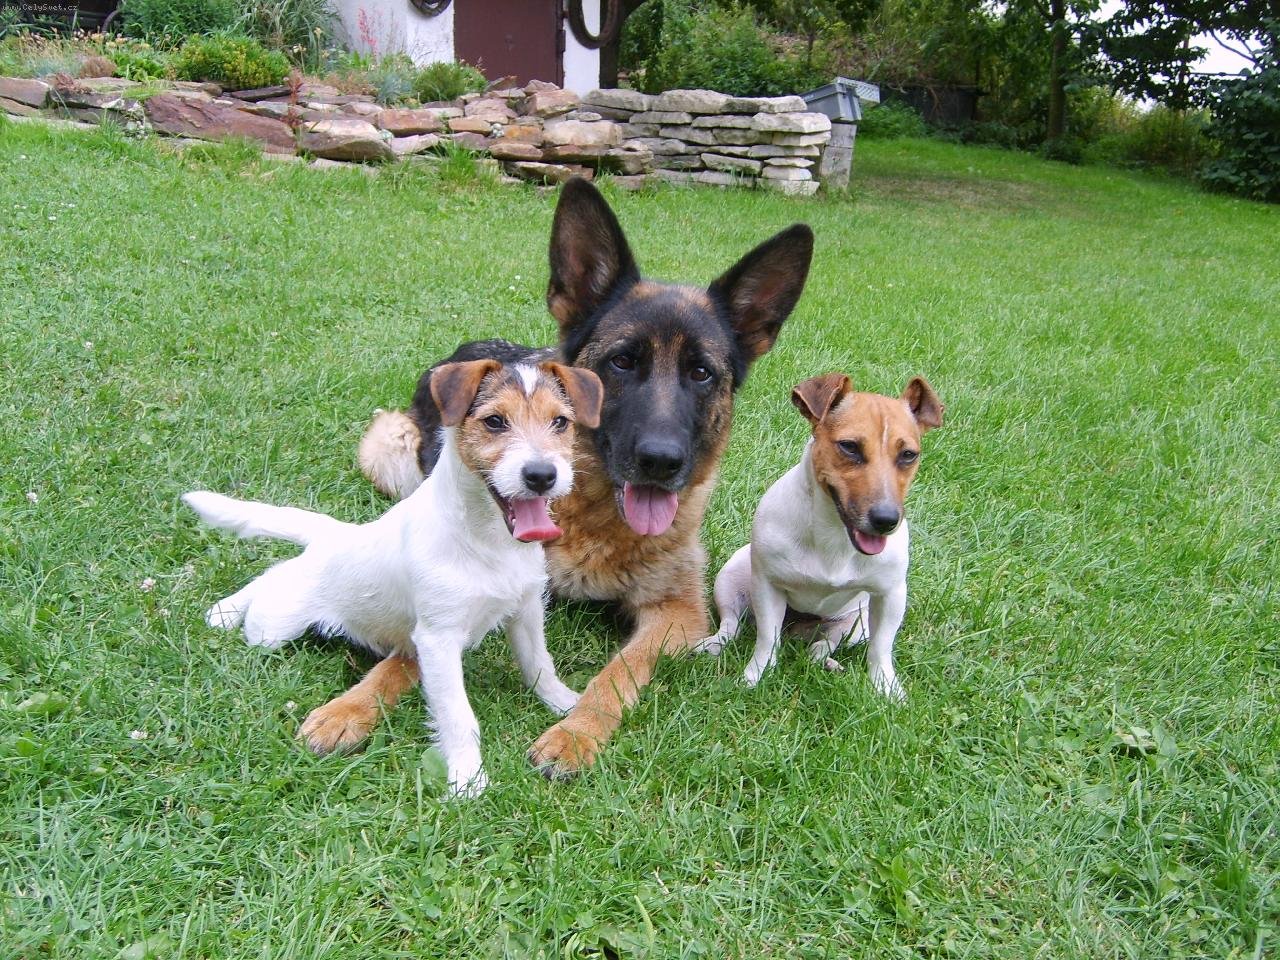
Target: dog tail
pixel 249 518
pixel 389 454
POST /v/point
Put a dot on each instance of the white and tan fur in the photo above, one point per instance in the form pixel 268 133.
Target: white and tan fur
pixel 810 540
pixel 441 568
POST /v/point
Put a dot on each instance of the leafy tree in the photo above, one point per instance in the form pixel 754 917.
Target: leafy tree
pixel 1151 46
pixel 1053 30
pixel 1246 124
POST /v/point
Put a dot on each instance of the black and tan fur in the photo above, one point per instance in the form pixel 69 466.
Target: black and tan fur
pixel 670 359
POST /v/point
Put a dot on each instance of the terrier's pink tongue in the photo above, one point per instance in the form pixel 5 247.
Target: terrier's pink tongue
pixel 649 510
pixel 531 521
pixel 869 543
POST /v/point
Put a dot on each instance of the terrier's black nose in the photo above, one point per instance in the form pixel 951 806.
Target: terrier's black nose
pixel 539 477
pixel 659 459
pixel 883 517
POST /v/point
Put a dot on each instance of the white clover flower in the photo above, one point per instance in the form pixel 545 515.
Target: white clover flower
pixel 147 585
pixel 137 734
pixel 32 497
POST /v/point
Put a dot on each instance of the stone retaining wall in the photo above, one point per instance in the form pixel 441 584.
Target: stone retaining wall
pixel 537 132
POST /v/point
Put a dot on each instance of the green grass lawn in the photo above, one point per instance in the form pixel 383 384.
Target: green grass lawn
pixel 1087 763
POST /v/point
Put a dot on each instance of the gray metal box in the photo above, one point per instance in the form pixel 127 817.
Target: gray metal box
pixel 842 99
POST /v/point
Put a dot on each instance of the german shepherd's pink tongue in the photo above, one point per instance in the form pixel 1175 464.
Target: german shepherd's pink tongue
pixel 649 510
pixel 531 522
pixel 869 543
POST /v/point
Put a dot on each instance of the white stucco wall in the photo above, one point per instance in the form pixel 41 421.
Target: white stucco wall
pixel 582 66
pixel 394 26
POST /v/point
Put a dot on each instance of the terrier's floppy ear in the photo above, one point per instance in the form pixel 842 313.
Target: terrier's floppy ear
pixel 589 256
pixel 761 289
pixel 815 397
pixel 585 391
pixel 454 387
pixel 924 404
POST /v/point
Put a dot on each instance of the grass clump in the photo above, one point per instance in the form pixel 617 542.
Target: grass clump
pixel 174 19
pixel 446 81
pixel 234 62
pixel 29 54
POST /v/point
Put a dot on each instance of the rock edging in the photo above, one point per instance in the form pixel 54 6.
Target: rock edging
pixel 537 132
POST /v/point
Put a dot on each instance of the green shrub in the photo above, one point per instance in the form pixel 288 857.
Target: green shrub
pixel 234 62
pixel 671 44
pixel 446 81
pixel 1063 149
pixel 890 121
pixel 302 29
pixel 138 60
pixel 140 66
pixel 391 79
pixel 1246 125
pixel 177 18
pixel 1173 141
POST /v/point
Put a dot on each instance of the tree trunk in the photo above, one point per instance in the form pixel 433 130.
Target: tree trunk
pixel 1057 66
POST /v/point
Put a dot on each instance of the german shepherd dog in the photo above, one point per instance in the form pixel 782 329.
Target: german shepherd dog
pixel 671 359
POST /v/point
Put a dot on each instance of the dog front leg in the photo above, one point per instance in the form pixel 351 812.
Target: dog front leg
pixel 342 723
pixel 733 596
pixel 886 617
pixel 526 634
pixel 457 732
pixel 838 631
pixel 770 608
pixel 671 627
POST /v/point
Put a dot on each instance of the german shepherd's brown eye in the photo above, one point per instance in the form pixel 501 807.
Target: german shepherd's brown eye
pixel 852 449
pixel 496 422
pixel 908 457
pixel 560 424
pixel 700 374
pixel 622 362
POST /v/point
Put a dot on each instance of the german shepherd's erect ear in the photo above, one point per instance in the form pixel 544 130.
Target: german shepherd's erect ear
pixel 590 258
pixel 761 289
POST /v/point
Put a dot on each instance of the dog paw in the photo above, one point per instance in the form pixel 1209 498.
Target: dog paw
pixel 467 785
pixel 562 753
pixel 751 676
pixel 338 727
pixel 712 645
pixel 833 665
pixel 263 639
pixel 224 616
pixel 559 699
pixel 886 684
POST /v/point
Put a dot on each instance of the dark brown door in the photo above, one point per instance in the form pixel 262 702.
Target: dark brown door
pixel 520 38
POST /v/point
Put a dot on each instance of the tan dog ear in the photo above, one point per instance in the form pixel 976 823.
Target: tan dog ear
pixel 815 398
pixel 585 391
pixel 454 387
pixel 924 404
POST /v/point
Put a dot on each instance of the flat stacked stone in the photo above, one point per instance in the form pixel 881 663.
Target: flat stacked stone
pixel 535 132
pixel 692 132
pixel 343 137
